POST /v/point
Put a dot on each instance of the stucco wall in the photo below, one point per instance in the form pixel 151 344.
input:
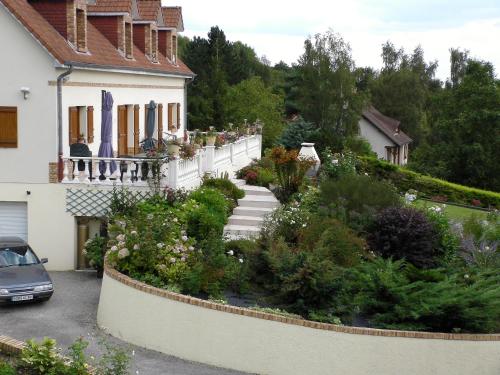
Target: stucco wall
pixel 258 343
pixel 51 230
pixel 377 140
pixel 84 89
pixel 24 63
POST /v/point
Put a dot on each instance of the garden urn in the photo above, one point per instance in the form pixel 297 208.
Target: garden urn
pixel 308 152
pixel 211 140
pixel 173 149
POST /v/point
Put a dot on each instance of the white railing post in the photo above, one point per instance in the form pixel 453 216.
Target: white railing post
pixel 232 152
pixel 127 175
pixel 173 173
pixel 259 139
pixel 210 157
pixel 65 170
pixel 86 171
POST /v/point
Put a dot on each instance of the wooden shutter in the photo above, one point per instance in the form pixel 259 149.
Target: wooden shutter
pixel 90 124
pixel 160 122
pixel 178 116
pixel 170 116
pixel 136 129
pixel 8 127
pixel 122 130
pixel 74 125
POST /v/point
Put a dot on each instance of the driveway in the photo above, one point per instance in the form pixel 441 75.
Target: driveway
pixel 71 313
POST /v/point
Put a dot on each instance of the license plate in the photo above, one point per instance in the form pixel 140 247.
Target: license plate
pixel 22 298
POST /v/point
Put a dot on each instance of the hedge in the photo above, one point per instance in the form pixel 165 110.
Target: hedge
pixel 427 187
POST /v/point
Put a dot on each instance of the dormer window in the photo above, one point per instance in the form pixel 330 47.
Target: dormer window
pixel 128 40
pixel 81 30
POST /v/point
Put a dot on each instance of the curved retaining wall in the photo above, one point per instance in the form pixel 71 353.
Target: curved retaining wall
pixel 257 342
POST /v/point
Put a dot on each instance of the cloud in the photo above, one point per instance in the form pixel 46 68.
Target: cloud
pixel 278 28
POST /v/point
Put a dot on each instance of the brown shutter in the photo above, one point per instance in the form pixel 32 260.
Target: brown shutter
pixel 160 122
pixel 136 129
pixel 170 116
pixel 90 124
pixel 74 125
pixel 8 127
pixel 178 116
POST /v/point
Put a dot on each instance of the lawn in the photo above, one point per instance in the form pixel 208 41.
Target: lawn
pixel 453 212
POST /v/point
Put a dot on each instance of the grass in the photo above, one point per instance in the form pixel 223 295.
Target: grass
pixel 453 212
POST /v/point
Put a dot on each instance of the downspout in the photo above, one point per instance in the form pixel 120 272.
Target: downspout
pixel 60 164
pixel 187 82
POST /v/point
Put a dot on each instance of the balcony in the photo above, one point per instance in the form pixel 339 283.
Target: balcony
pixel 170 172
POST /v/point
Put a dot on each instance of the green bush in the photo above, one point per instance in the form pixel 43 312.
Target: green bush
pixel 42 358
pixel 213 199
pixel 6 369
pixel 355 199
pixel 211 216
pixel 405 233
pixel 226 187
pixel 391 294
pixel 298 132
pixel 427 186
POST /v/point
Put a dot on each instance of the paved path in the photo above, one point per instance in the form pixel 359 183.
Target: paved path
pixel 71 313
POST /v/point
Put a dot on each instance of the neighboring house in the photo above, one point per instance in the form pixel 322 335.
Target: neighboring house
pixel 57 58
pixel 384 136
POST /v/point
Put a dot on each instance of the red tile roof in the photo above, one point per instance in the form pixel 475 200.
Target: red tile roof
pixel 122 6
pixel 172 16
pixel 101 51
pixel 149 9
pixel 387 125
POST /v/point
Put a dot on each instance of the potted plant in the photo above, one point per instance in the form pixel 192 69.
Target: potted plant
pixel 94 251
pixel 173 147
pixel 188 151
pixel 211 137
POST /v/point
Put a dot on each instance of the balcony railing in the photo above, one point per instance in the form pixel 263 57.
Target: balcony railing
pixel 171 172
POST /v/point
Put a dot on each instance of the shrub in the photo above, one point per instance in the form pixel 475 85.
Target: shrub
pixel 428 186
pixel 213 199
pixel 255 174
pixel 298 132
pixel 6 369
pixel 391 294
pixel 333 240
pixel 94 251
pixel 405 233
pixel 226 187
pixel 359 146
pixel 290 171
pixel 42 357
pixel 356 199
pixel 337 165
pixel 286 222
pixel 447 240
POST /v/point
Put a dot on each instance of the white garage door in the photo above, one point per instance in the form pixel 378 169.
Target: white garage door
pixel 14 219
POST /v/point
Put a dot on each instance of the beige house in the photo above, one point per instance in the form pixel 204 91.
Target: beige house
pixel 385 137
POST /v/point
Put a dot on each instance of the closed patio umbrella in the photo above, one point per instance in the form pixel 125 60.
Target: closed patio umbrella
pixel 106 147
pixel 149 142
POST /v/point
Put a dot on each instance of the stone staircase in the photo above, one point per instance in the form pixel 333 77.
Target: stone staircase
pixel 248 216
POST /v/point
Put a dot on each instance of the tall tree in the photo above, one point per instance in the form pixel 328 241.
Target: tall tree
pixel 403 87
pixel 464 142
pixel 327 86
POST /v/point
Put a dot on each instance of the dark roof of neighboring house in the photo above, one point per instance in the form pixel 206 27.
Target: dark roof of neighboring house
pixel 387 125
pixel 172 16
pixel 102 53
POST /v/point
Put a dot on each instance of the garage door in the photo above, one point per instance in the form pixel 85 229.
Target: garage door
pixel 14 219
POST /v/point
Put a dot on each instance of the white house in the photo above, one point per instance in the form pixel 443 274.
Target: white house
pixel 57 58
pixel 384 136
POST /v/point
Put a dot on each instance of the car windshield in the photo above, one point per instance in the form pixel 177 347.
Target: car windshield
pixel 17 256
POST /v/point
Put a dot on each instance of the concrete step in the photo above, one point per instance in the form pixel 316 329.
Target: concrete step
pixel 246 220
pixel 252 211
pixel 238 182
pixel 241 231
pixel 256 190
pixel 258 201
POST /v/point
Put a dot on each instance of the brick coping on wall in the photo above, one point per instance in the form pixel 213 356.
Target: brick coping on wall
pixel 114 274
pixel 9 345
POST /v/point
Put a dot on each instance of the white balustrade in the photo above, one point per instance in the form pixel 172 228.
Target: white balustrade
pixel 177 173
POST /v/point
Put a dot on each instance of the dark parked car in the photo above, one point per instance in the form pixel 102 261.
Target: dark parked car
pixel 22 275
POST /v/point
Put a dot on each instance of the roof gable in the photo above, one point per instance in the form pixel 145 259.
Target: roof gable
pixel 172 17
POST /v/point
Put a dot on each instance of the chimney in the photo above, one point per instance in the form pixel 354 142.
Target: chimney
pixel 68 17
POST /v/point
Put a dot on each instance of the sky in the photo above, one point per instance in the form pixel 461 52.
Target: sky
pixel 278 28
